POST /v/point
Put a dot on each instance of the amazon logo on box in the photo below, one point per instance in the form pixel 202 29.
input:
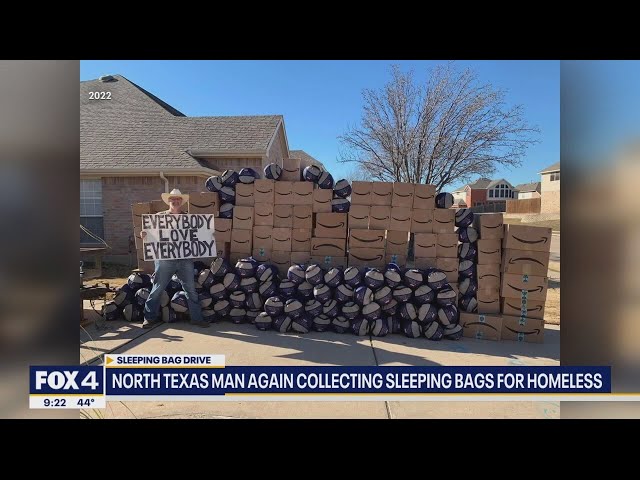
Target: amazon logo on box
pixel 241 241
pixel 529 287
pixel 521 329
pixel 335 247
pixel 381 193
pixel 422 221
pixel 283 193
pixel 331 225
pixel 489 252
pixel 302 193
pixel 400 219
pixel 303 216
pixel 223 230
pixel 525 261
pixel 488 295
pixel 282 260
pixel 204 202
pixel 379 217
pixel 359 216
pixel 425 245
pixel 244 194
pixel 262 214
pixel 480 326
pixel 397 242
pixel 522 237
pixel 281 239
pixel 366 239
pixel 283 216
pixel 264 191
pixel 444 220
pixel 447 245
pixel 300 240
pixel 450 267
pixel 488 276
pixel 402 194
pixel 488 225
pixel 262 237
pixel 523 307
pixel 322 200
pixel 243 218
pixel 489 306
pixel 424 197
pixel 361 193
pixel 291 170
pixel 366 257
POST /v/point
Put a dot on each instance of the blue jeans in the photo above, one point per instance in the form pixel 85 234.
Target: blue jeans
pixel 164 271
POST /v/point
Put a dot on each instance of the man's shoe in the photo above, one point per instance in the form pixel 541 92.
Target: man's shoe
pixel 200 323
pixel 148 323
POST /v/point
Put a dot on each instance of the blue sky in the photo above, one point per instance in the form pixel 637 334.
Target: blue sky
pixel 321 99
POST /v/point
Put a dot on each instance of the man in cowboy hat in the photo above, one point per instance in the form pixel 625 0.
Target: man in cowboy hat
pixel 165 269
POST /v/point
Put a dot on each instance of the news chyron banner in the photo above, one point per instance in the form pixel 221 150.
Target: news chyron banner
pixel 135 377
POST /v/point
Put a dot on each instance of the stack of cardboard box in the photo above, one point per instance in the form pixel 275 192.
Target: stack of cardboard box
pixel 525 262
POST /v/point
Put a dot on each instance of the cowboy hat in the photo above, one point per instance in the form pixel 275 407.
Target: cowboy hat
pixel 175 193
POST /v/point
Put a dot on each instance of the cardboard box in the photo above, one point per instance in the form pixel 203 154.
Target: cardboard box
pixel 531 287
pixel 522 237
pixel 485 327
pixel 301 240
pixel 263 214
pixel 322 200
pixel 397 242
pixel 425 245
pixel 522 329
pixel 424 197
pixel 421 221
pixel 335 247
pixel 327 261
pixel 400 219
pixel 301 258
pixel 447 245
pixel 525 261
pixel 222 227
pixel 400 260
pixel 424 262
pixel 291 170
pixel 242 218
pixel 381 193
pixel 245 194
pixel 366 257
pixel 261 254
pixel 450 267
pixel 282 260
pixel 264 191
pixel 488 276
pixel 234 257
pixel 488 225
pixel 204 202
pixel 262 237
pixel 489 252
pixel 283 193
pixel 281 239
pixel 402 195
pixel 146 267
pixel 303 216
pixel 283 216
pixel 241 241
pixel 360 193
pixel 302 193
pixel 366 239
pixel 488 295
pixel 224 248
pixel 359 216
pixel 158 206
pixel 330 225
pixel 379 217
pixel 523 307
pixel 137 210
pixel 488 306
pixel 444 220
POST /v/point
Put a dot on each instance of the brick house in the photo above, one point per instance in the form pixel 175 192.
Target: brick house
pixel 550 191
pixel 528 190
pixel 485 190
pixel 134 146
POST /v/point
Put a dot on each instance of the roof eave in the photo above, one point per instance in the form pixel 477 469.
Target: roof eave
pixel 110 172
pixel 549 171
pixel 208 152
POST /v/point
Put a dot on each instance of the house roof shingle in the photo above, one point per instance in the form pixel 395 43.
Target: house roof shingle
pixel 528 187
pixel 305 159
pixel 480 183
pixel 552 168
pixel 137 130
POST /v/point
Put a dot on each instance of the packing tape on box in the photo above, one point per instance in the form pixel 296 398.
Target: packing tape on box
pixel 261 251
pixel 523 319
pixel 394 258
pixel 328 259
pixel 525 278
pixel 479 335
pixel 524 294
pixel 520 337
pixel 482 319
pixel 523 306
pixel 526 268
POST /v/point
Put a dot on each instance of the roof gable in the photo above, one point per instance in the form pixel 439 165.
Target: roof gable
pixel 552 168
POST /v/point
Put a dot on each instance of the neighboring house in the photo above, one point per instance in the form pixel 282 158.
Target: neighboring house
pixel 459 203
pixel 550 191
pixel 485 190
pixel 134 146
pixel 528 190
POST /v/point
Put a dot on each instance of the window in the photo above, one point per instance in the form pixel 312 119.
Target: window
pixel 555 177
pixel 502 193
pixel 91 209
pixel 490 193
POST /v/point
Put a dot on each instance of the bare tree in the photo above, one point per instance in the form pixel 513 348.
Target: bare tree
pixel 448 130
pixel 358 173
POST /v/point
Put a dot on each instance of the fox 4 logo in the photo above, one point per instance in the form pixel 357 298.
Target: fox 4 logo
pixel 65 380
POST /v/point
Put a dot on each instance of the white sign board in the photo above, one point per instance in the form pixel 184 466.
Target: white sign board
pixel 170 237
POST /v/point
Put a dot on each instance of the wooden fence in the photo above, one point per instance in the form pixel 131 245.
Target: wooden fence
pixel 489 207
pixel 527 205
